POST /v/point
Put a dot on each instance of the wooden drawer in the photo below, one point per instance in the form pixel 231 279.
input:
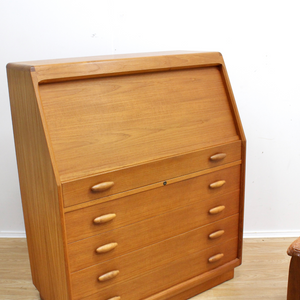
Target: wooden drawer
pixel 83 253
pixel 137 207
pixel 159 254
pixel 149 283
pixel 80 191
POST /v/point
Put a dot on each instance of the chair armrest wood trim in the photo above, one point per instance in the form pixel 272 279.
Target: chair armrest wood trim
pixel 294 249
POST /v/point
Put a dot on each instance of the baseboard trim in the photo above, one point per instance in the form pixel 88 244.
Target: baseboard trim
pixel 271 234
pixel 13 234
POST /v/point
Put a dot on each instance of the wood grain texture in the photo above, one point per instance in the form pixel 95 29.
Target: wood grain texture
pixel 294 248
pixel 240 130
pixel 140 206
pixel 293 292
pixel 76 68
pixel 204 286
pixel 294 271
pixel 155 256
pixel 142 138
pixel 147 284
pixel 15 273
pixel 149 175
pixel 137 235
pixel 263 274
pixel 40 190
pixel 112 119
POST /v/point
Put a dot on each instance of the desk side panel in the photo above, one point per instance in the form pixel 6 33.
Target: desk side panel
pixel 39 189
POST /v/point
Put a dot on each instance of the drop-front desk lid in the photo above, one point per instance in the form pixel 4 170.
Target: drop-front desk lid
pixel 108 113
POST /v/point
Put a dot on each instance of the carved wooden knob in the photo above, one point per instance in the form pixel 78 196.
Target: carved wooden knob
pixel 216 210
pixel 101 187
pixel 109 275
pixel 217 184
pixel 218 156
pixel 104 218
pixel 215 258
pixel 106 248
pixel 216 234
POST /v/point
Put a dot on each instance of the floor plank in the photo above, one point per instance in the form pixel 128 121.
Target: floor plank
pixel 263 274
pixel 15 276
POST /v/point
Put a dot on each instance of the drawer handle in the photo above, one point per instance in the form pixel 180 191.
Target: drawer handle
pixel 106 248
pixel 104 218
pixel 216 210
pixel 218 156
pixel 108 276
pixel 215 257
pixel 217 184
pixel 101 187
pixel 216 234
pixel 115 298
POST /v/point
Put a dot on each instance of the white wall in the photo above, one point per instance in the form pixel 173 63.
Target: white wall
pixel 259 40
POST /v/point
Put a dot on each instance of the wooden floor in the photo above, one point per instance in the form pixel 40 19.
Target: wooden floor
pixel 263 274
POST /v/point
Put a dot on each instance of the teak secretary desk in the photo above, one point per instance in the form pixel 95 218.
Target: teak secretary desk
pixel 131 172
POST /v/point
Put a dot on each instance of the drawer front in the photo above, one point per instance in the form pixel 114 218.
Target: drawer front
pixel 80 191
pixel 127 210
pixel 141 234
pixel 147 284
pixel 159 254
